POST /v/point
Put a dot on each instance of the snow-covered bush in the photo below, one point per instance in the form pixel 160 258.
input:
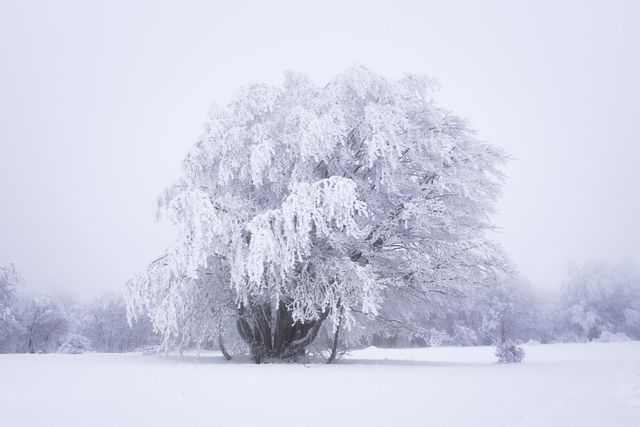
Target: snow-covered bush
pixel 439 338
pixel 508 352
pixel 607 336
pixel 74 344
pixel 150 350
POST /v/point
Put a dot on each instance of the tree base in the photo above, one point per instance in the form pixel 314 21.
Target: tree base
pixel 275 337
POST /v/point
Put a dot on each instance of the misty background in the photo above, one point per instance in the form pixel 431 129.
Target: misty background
pixel 100 103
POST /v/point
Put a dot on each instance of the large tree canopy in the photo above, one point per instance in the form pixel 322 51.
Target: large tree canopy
pixel 305 203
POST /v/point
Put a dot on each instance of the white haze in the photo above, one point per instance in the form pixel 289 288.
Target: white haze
pixel 99 104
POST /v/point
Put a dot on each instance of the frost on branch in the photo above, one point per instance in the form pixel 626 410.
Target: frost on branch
pixel 280 243
pixel 356 201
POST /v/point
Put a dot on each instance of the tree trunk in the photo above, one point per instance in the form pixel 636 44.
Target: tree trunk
pixel 334 349
pixel 278 337
pixel 226 355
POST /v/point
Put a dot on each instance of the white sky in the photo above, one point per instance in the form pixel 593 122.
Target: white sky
pixel 99 104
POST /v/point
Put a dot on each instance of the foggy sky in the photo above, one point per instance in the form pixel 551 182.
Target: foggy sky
pixel 100 103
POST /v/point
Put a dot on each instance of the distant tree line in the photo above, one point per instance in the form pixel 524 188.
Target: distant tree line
pixel 58 322
pixel 598 301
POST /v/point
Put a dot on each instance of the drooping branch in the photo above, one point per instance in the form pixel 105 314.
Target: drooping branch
pixel 334 348
pixel 224 351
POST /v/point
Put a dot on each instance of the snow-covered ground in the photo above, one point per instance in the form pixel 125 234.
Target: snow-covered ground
pixel 557 385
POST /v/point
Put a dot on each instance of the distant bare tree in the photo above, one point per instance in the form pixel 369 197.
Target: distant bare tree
pixel 44 323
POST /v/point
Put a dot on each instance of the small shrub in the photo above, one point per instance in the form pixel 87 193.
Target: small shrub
pixel 607 336
pixel 508 352
pixel 150 350
pixel 74 344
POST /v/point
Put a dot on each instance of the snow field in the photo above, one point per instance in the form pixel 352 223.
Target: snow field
pixel 557 385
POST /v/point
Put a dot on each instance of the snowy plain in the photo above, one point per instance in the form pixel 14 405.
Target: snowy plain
pixel 591 384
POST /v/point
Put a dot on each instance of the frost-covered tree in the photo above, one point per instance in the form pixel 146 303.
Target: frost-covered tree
pixel 303 204
pixel 9 280
pixel 105 325
pixel 601 297
pixel 509 313
pixel 44 324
